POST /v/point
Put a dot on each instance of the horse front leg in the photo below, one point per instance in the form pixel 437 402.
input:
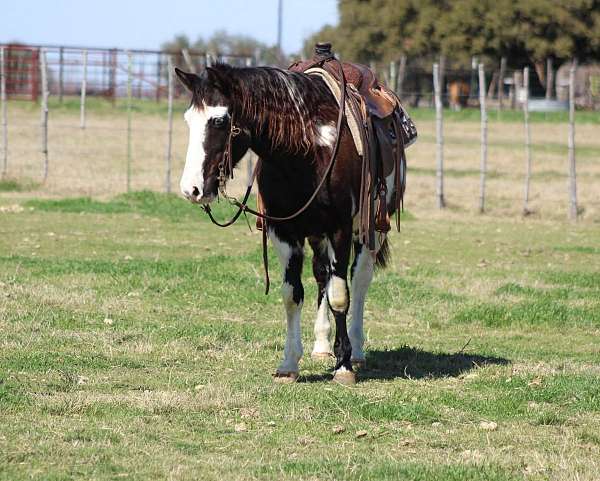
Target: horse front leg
pixel 291 255
pixel 338 298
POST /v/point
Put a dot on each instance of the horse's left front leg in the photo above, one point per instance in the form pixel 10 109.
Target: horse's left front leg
pixel 291 255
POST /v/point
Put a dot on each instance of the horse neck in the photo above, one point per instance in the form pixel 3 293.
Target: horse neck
pixel 278 108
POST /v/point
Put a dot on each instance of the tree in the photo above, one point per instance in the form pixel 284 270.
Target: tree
pixel 222 43
pixel 524 31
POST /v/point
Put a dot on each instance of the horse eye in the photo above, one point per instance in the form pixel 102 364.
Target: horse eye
pixel 218 121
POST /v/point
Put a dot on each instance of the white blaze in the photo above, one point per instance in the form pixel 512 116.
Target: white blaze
pixel 197 120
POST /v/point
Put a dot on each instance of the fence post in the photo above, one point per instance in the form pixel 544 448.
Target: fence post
pixel 401 75
pixel 83 91
pixel 526 210
pixel 439 137
pixel 484 119
pixel 129 80
pixel 61 68
pixel 393 75
pixel 169 123
pixel 112 79
pixel 549 77
pixel 44 111
pixel 4 114
pixel 188 60
pixel 572 170
pixel 158 76
pixel 501 82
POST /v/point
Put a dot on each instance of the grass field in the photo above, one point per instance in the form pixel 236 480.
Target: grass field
pixel 136 341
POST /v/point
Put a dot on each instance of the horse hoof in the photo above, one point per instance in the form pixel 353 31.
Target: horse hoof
pixel 359 363
pixel 345 378
pixel 321 356
pixel 285 377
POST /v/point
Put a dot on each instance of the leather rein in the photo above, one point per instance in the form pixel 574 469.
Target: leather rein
pixel 226 171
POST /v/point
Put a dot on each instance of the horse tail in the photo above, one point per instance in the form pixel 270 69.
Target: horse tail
pixel 383 255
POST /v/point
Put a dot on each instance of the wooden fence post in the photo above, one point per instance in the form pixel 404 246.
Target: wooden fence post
pixel 61 69
pixel 158 76
pixel 188 60
pixel 44 112
pixel 401 75
pixel 83 90
pixel 501 82
pixel 439 130
pixel 4 113
pixel 572 170
pixel 393 75
pixel 549 78
pixel 169 123
pixel 129 81
pixel 526 210
pixel 484 119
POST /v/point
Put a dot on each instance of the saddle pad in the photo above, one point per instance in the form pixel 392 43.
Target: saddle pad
pixel 353 123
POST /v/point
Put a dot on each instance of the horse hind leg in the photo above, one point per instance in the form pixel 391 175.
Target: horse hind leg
pixel 291 255
pixel 362 275
pixel 338 299
pixel 322 346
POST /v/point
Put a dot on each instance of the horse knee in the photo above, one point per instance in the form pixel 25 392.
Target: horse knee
pixel 292 294
pixel 337 294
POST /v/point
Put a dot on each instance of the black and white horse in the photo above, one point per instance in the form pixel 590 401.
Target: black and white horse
pixel 288 120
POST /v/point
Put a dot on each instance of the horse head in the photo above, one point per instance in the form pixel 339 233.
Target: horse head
pixel 212 135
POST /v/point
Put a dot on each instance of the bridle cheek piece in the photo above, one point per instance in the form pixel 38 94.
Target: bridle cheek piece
pixel 226 163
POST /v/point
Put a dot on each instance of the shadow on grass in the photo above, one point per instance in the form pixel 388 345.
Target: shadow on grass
pixel 411 363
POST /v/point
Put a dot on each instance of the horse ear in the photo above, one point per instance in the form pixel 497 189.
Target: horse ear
pixel 219 79
pixel 187 79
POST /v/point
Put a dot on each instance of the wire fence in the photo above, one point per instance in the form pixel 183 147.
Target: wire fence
pixel 105 125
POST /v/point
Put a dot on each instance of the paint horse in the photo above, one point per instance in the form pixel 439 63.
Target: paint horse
pixel 289 120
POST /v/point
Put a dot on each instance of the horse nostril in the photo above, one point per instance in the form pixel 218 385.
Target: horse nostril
pixel 195 192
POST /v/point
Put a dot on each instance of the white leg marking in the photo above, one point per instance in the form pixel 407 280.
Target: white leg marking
pixel 197 119
pixel 363 274
pixel 322 330
pixel 337 293
pixel 293 351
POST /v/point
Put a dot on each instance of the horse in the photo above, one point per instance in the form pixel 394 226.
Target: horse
pixel 288 119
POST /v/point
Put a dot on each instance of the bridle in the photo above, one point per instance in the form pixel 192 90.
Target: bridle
pixel 226 171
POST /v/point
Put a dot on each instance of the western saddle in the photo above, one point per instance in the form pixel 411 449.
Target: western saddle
pixel 384 131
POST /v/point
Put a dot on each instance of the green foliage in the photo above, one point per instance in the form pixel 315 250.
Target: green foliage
pixel 524 32
pixel 224 43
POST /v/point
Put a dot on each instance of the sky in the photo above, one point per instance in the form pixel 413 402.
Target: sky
pixel 147 24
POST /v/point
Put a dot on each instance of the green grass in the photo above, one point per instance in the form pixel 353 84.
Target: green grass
pixel 11 185
pixel 137 343
pixel 505 116
pixel 168 206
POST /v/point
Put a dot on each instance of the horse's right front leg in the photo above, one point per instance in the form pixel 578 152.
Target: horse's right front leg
pixel 291 255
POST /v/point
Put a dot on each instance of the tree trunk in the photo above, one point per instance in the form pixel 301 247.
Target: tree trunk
pixel 540 70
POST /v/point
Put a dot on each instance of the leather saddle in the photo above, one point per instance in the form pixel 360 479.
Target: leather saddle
pixel 379 101
pixel 386 131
